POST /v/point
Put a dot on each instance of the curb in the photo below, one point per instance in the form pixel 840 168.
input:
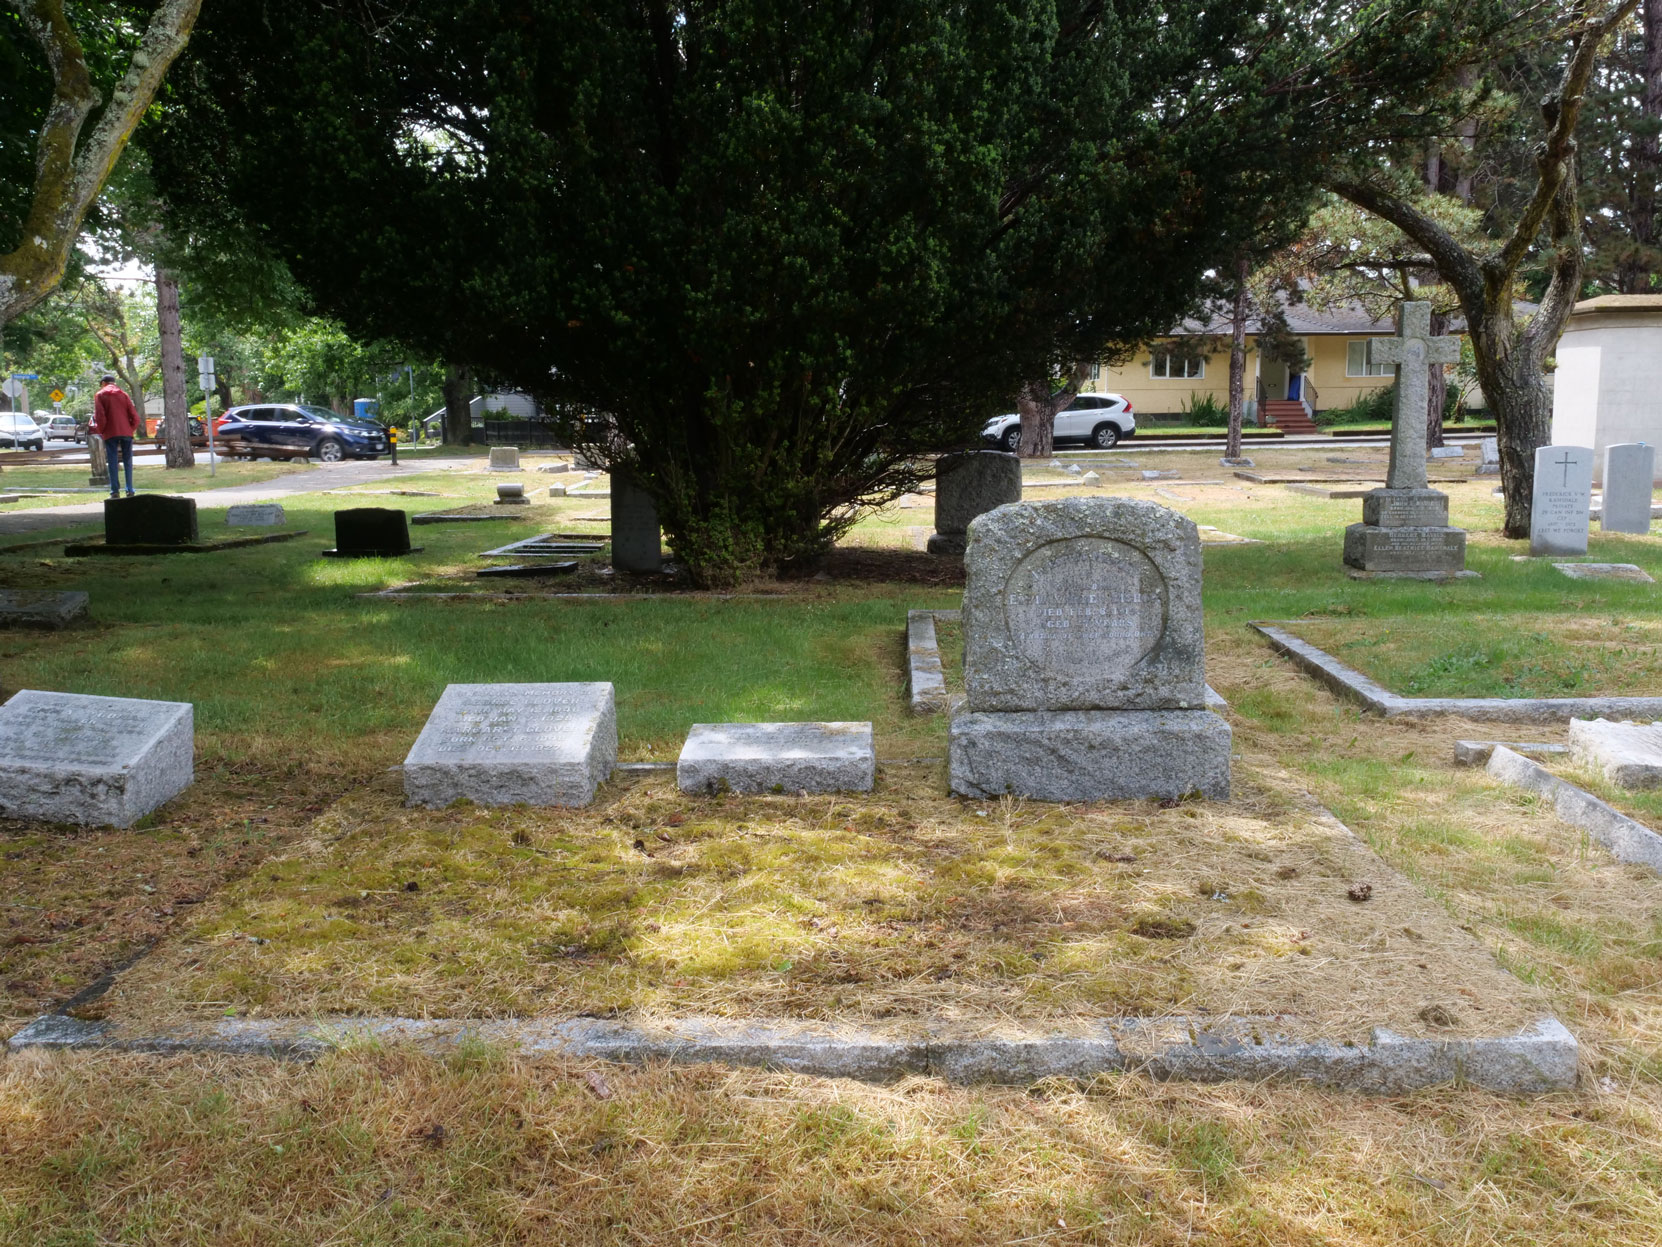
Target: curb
pixel 1627 839
pixel 1377 699
pixel 1540 1058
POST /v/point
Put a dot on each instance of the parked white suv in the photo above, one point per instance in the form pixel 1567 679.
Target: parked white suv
pixel 1100 421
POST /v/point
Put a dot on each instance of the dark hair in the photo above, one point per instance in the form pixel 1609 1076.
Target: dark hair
pixel 107 379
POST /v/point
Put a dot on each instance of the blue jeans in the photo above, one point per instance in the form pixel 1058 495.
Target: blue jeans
pixel 118 451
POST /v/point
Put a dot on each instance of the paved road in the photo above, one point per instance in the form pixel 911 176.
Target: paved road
pixel 310 480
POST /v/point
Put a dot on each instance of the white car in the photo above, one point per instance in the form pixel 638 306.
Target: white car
pixel 61 428
pixel 1100 421
pixel 19 432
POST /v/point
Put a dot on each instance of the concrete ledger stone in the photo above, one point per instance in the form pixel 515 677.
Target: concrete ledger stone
pixel 1629 755
pixel 1419 550
pixel 41 608
pixel 1083 604
pixel 1405 508
pixel 1101 755
pixel 777 757
pixel 95 761
pixel 500 744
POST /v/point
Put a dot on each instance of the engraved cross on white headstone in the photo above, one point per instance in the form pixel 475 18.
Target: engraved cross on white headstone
pixel 1412 351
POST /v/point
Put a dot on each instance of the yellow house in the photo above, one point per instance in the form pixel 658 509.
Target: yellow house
pixel 1161 381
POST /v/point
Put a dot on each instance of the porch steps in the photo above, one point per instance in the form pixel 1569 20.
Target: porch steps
pixel 1289 414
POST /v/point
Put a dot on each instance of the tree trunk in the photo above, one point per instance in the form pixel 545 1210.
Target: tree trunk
pixel 1037 405
pixel 1635 273
pixel 1517 393
pixel 1436 389
pixel 1237 360
pixel 458 416
pixel 175 410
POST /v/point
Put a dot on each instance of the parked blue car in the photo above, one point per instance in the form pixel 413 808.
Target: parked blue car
pixel 294 430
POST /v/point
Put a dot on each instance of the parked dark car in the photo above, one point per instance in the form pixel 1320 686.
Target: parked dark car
pixel 18 431
pixel 294 431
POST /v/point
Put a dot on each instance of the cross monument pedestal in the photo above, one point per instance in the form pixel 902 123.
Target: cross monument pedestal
pixel 1405 533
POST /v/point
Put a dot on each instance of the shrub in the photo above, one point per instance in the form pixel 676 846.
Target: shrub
pixel 1381 405
pixel 1204 411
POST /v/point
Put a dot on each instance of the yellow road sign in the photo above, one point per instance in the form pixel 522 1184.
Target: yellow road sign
pixel 57 396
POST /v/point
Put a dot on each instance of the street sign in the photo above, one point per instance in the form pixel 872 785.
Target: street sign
pixel 25 376
pixel 57 396
pixel 12 389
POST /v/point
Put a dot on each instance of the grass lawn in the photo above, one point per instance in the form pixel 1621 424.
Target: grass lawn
pixel 903 905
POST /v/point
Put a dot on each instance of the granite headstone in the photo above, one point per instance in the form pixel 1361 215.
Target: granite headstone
pixel 504 459
pixel 499 744
pixel 968 485
pixel 512 494
pixel 1490 466
pixel 1629 470
pixel 371 532
pixel 1558 516
pixel 150 520
pixel 637 541
pixel 95 761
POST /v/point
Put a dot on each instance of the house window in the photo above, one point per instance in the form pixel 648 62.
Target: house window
pixel 1168 366
pixel 1356 362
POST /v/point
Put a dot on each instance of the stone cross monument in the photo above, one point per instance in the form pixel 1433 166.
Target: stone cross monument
pixel 1404 530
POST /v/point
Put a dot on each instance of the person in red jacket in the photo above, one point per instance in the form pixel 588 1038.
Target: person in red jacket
pixel 115 419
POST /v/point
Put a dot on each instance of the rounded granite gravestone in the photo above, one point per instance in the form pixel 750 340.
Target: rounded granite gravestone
pixel 1084 657
pixel 967 485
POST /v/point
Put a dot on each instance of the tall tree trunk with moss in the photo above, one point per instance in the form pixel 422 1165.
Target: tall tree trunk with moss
pixel 1237 358
pixel 458 414
pixel 175 410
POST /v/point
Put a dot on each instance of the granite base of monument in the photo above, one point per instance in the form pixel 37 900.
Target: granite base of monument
pixel 947 545
pixel 777 757
pixel 95 761
pixel 1428 553
pixel 1091 755
pixel 968 485
pixel 503 744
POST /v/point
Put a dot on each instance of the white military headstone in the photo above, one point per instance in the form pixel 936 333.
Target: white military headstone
pixel 1558 514
pixel 254 515
pixel 500 744
pixel 1629 473
pixel 96 761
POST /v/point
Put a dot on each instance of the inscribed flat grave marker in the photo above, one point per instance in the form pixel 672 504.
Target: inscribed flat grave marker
pixel 1563 494
pixel 777 757
pixel 95 761
pixel 500 744
pixel 254 515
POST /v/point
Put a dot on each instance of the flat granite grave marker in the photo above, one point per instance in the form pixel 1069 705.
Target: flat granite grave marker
pixel 504 459
pixel 777 757
pixel 1606 571
pixel 1084 656
pixel 150 520
pixel 95 761
pixel 371 533
pixel 1405 530
pixel 637 541
pixel 968 485
pixel 1629 471
pixel 1629 755
pixel 41 608
pixel 501 744
pixel 1563 494
pixel 254 515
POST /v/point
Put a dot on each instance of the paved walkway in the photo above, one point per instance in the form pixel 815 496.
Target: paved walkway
pixel 311 480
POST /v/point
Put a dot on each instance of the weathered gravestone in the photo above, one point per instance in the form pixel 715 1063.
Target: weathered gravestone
pixel 504 458
pixel 968 485
pixel 637 543
pixel 1558 515
pixel 1628 754
pixel 777 757
pixel 371 533
pixel 1448 452
pixel 150 520
pixel 99 473
pixel 1405 530
pixel 96 761
pixel 41 608
pixel 1084 656
pixel 1491 457
pixel 512 494
pixel 254 515
pixel 1629 471
pixel 498 744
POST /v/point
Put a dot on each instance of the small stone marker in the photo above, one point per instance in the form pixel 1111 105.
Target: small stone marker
pixel 96 761
pixel 1491 457
pixel 499 744
pixel 99 473
pixel 1606 571
pixel 1558 517
pixel 967 485
pixel 1084 656
pixel 1405 530
pixel 150 520
pixel 777 757
pixel 504 459
pixel 1448 452
pixel 1091 478
pixel 371 533
pixel 1235 463
pixel 512 494
pixel 1629 755
pixel 1629 471
pixel 1159 474
pixel 254 515
pixel 637 541
pixel 41 608
pixel 555 467
pixel 556 491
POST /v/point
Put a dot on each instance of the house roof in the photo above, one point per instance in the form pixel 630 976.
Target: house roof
pixel 1621 303
pixel 1350 319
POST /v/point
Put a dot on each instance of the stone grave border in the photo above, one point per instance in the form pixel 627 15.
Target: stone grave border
pixel 85 549
pixel 453 517
pixel 926 678
pixel 1626 838
pixel 1377 699
pixel 1542 1057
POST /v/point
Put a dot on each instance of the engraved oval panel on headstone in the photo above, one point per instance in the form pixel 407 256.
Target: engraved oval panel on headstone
pixel 1086 603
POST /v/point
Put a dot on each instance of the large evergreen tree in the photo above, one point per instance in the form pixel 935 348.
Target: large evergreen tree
pixel 782 248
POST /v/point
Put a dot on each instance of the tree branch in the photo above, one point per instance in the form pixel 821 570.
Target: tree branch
pixel 1456 264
